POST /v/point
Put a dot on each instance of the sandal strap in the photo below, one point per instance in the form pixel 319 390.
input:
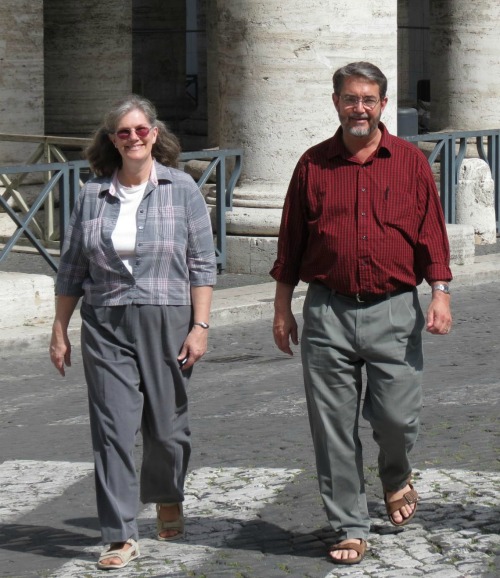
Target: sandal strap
pixel 122 554
pixel 174 524
pixel 359 548
pixel 411 497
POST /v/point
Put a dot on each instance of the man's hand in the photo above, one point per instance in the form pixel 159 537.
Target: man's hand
pixel 439 314
pixel 284 328
pixel 284 325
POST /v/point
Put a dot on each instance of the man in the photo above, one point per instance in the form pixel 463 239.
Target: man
pixel 363 225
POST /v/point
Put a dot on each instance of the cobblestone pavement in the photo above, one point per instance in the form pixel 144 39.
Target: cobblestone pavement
pixel 252 503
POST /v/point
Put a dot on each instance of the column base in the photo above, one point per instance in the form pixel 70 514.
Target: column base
pixel 250 255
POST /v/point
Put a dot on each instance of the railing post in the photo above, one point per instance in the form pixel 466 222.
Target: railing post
pixel 220 208
pixel 494 162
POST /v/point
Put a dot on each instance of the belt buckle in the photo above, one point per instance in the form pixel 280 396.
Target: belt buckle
pixel 358 298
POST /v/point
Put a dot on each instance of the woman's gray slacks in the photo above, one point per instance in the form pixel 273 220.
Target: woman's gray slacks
pixel 135 383
pixel 339 337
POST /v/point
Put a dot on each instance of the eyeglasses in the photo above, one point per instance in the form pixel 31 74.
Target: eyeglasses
pixel 368 102
pixel 140 131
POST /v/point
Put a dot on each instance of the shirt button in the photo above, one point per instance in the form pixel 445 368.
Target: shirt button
pixel 363 189
pixel 363 214
pixel 141 228
pixel 364 237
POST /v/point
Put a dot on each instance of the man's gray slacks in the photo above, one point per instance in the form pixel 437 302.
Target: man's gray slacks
pixel 135 383
pixel 339 337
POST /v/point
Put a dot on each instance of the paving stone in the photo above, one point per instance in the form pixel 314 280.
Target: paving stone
pixel 252 496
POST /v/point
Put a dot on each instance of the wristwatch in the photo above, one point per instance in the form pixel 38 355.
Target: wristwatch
pixel 441 287
pixel 202 324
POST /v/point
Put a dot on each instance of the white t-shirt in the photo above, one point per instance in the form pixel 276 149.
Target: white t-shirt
pixel 125 233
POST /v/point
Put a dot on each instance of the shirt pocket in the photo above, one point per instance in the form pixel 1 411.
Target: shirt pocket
pixel 395 209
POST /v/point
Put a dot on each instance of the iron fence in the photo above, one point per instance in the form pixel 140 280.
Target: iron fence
pixel 62 182
pixel 450 149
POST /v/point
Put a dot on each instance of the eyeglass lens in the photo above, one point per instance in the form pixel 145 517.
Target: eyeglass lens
pixel 140 131
pixel 367 102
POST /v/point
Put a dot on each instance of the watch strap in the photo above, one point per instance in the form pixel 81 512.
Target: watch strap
pixel 441 287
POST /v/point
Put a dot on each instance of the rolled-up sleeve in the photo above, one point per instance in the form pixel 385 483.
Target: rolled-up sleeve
pixel 432 251
pixel 73 264
pixel 200 251
pixel 293 230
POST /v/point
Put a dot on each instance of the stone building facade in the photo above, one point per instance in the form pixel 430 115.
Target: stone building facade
pixel 242 73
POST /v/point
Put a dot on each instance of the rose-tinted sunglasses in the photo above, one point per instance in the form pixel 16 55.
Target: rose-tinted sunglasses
pixel 140 131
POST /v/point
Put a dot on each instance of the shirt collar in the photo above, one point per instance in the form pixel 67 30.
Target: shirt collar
pixel 153 179
pixel 338 148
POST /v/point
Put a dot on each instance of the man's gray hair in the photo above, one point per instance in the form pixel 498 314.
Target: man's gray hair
pixel 363 69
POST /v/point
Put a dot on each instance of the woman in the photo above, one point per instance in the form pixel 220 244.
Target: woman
pixel 139 249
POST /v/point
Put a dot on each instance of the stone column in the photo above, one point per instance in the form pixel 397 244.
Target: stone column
pixel 274 66
pixel 475 204
pixel 21 75
pixel 465 68
pixel 88 62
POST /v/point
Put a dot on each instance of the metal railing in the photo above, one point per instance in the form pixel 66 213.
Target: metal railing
pixel 47 151
pixel 450 150
pixel 61 182
pixel 63 178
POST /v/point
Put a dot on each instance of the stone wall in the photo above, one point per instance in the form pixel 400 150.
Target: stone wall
pixel 465 68
pixel 21 74
pixel 88 62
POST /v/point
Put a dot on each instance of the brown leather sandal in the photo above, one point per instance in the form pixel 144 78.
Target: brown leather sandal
pixel 409 498
pixel 359 548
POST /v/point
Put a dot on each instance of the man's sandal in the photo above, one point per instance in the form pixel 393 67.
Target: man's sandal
pixel 176 525
pixel 409 498
pixel 125 556
pixel 359 548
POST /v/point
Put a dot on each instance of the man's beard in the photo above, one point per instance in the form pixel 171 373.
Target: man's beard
pixel 360 131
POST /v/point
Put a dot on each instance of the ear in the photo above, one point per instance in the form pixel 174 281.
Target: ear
pixel 383 103
pixel 112 138
pixel 335 99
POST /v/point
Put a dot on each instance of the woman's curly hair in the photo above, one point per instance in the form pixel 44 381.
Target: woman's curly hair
pixel 102 154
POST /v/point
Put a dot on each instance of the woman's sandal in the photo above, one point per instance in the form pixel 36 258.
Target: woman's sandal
pixel 176 525
pixel 409 498
pixel 359 548
pixel 125 556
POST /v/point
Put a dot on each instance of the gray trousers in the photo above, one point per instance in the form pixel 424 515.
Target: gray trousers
pixel 339 337
pixel 135 383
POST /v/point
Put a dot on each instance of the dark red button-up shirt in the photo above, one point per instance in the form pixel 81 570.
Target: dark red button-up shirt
pixel 366 228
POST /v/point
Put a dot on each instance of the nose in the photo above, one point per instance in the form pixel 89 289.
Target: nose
pixel 359 105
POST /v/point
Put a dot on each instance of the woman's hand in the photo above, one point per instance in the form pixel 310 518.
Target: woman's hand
pixel 194 347
pixel 60 350
pixel 60 347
